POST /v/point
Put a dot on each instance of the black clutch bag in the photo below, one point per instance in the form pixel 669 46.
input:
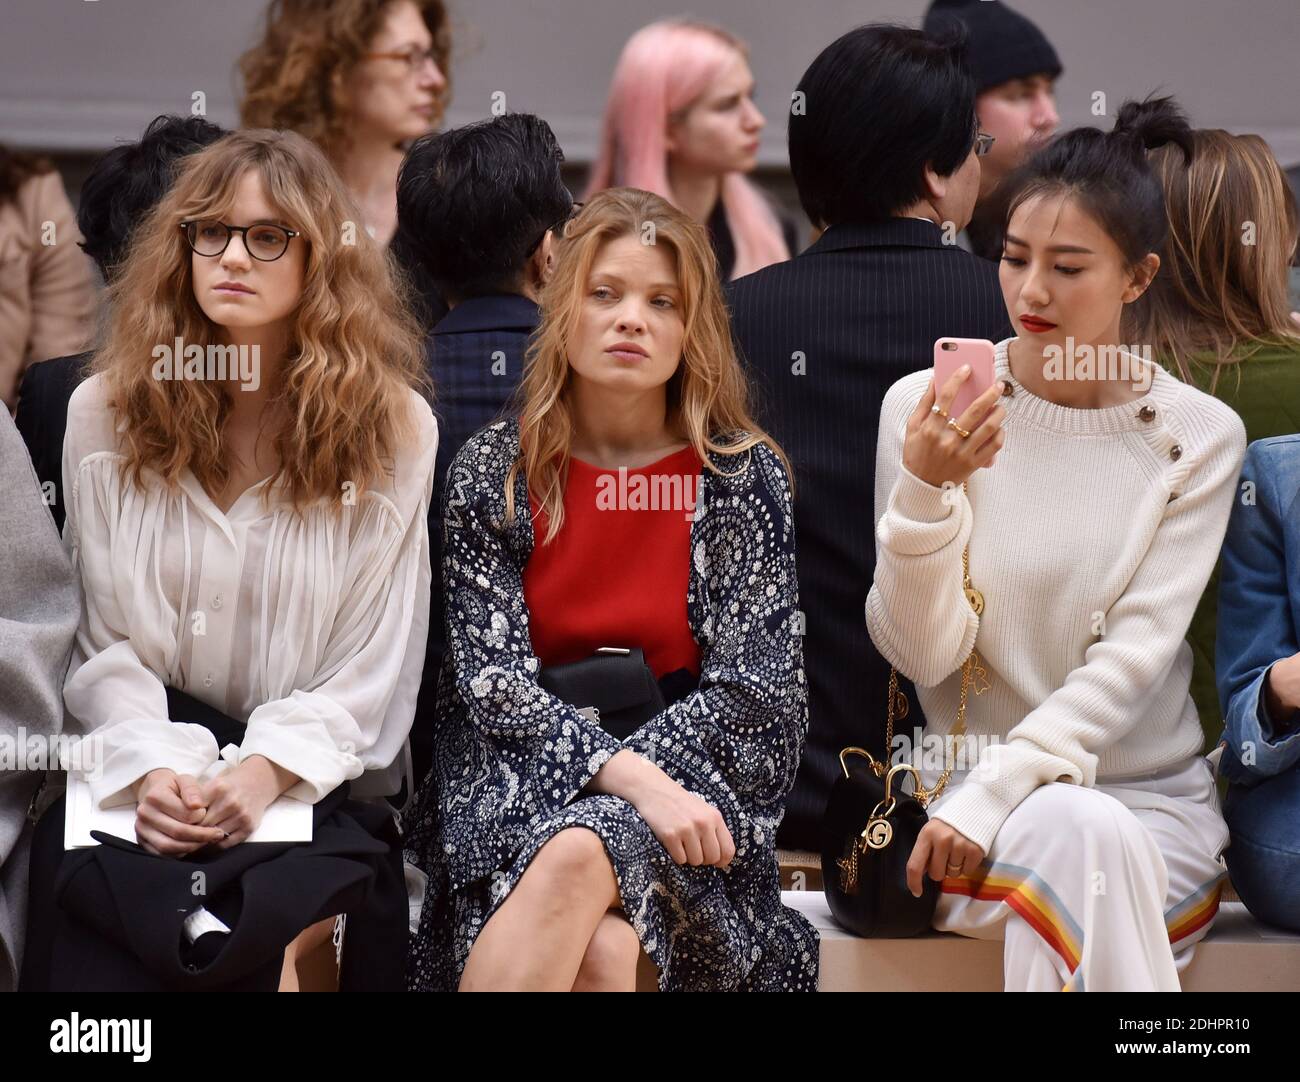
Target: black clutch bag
pixel 614 687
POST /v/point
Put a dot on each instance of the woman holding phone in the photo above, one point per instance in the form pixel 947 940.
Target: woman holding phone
pixel 1091 499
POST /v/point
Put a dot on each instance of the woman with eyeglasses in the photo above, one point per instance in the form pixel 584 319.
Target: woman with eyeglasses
pixel 361 78
pixel 681 122
pixel 248 471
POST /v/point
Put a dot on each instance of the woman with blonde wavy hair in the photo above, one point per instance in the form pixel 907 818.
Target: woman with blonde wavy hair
pixel 681 122
pixel 634 505
pixel 247 473
pixel 1217 314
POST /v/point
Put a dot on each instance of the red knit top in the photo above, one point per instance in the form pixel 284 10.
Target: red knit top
pixel 617 572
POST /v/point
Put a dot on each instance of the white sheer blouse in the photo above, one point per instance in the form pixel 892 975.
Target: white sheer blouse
pixel 309 629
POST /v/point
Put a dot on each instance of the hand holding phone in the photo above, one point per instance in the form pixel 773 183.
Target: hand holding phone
pixel 949 355
pixel 947 445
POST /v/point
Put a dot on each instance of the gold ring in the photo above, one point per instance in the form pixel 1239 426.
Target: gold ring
pixel 936 408
pixel 958 429
pixel 954 867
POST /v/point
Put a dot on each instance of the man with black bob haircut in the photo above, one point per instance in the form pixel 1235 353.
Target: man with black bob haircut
pixel 479 207
pixel 883 148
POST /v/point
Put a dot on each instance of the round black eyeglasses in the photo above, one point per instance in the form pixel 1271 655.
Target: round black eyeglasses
pixel 209 237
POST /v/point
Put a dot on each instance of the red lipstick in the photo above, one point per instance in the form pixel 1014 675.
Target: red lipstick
pixel 1035 325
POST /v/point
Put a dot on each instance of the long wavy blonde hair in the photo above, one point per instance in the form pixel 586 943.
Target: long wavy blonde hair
pixel 295 78
pixel 1219 297
pixel 708 394
pixel 354 352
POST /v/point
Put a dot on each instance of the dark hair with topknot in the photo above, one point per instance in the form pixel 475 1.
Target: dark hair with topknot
pixel 1108 173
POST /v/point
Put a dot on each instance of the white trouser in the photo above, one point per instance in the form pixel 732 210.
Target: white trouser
pixel 1103 889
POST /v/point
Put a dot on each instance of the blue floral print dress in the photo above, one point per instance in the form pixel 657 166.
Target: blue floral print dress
pixel 511 761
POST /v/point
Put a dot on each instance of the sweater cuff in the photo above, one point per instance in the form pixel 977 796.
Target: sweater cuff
pixel 921 501
pixel 975 812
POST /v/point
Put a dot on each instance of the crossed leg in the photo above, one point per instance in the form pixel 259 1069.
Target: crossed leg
pixel 561 928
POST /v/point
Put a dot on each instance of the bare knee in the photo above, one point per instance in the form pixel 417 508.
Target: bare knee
pixel 611 958
pixel 573 860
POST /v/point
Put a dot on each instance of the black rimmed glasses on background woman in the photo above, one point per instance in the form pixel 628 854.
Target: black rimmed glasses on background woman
pixel 414 59
pixel 265 242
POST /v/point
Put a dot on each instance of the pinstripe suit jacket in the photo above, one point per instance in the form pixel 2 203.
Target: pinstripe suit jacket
pixel 823 337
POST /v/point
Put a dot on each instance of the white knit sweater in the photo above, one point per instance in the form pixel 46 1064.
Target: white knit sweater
pixel 1091 538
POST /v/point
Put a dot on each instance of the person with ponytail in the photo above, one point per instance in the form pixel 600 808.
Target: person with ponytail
pixel 1090 491
pixel 556 853
pixel 681 122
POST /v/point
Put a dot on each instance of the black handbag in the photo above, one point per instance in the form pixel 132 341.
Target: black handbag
pixel 614 687
pixel 871 824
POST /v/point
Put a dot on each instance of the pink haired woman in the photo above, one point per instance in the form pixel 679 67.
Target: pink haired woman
pixel 681 122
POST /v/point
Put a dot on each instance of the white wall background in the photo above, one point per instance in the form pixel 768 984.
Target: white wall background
pixel 79 75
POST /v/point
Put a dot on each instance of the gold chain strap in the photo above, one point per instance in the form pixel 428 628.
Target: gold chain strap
pixel 972 671
pixel 878 832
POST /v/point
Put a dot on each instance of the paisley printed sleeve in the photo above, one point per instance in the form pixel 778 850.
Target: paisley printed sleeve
pixel 543 748
pixel 737 740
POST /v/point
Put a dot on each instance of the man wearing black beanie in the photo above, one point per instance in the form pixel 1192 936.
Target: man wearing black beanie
pixel 1015 67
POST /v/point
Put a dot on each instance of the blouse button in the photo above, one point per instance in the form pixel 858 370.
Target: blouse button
pixel 207 681
pixel 1147 413
pixel 1175 452
pixel 216 602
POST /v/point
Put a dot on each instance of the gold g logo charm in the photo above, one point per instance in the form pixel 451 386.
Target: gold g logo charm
pixel 878 833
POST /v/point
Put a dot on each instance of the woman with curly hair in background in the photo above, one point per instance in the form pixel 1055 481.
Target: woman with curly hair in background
pixel 360 78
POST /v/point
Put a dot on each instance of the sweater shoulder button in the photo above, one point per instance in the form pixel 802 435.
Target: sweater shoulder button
pixel 1176 452
pixel 1147 413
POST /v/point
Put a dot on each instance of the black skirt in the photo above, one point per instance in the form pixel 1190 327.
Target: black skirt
pixel 110 917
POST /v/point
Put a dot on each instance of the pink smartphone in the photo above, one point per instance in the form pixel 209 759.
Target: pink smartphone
pixel 949 355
